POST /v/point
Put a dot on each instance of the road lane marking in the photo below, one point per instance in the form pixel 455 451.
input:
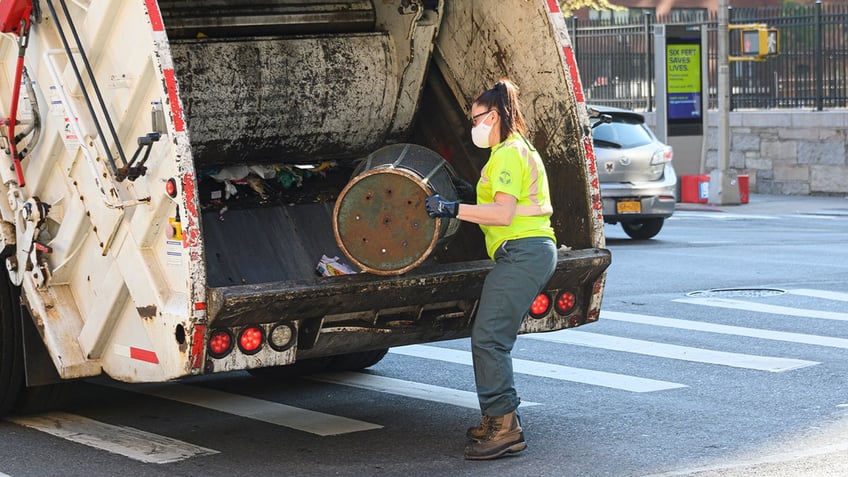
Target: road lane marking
pixel 252 408
pixel 828 341
pixel 411 389
pixel 763 308
pixel 720 216
pixel 545 370
pixel 827 295
pixel 815 215
pixel 126 441
pixel 817 450
pixel 663 350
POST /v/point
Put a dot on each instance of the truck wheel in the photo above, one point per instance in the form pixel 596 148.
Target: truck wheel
pixel 357 361
pixel 11 348
pixel 642 229
pixel 14 395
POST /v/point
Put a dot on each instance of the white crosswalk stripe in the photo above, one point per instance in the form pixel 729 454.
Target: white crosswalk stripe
pixel 546 370
pixel 827 295
pixel 410 389
pixel 126 441
pixel 252 408
pixel 662 350
pixel 790 337
pixel 764 308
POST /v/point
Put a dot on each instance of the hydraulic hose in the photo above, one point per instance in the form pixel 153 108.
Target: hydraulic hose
pixel 16 92
pixel 88 101
pixel 34 127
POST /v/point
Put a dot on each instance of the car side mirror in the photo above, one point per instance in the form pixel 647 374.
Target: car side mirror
pixel 602 119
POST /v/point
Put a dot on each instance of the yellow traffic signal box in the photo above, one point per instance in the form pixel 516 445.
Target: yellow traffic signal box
pixel 760 41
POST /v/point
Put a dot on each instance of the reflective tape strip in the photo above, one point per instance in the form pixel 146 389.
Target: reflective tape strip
pixel 200 310
pixel 136 353
pixel 197 343
pixel 155 15
pixel 176 109
pixel 576 85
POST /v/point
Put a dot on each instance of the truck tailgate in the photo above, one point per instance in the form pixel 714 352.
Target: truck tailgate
pixel 425 287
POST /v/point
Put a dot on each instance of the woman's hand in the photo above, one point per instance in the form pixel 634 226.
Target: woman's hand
pixel 438 207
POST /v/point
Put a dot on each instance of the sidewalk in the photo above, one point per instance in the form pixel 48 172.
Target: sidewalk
pixel 778 205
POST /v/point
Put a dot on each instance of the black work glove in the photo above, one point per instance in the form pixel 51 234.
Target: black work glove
pixel 467 192
pixel 439 207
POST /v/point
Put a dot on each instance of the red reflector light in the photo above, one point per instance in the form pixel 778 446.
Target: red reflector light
pixel 541 305
pixel 220 343
pixel 171 187
pixel 250 339
pixel 565 302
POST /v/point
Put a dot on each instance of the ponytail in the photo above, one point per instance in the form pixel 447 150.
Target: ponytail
pixel 503 97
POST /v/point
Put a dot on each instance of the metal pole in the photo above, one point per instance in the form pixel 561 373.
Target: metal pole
pixel 723 88
pixel 819 60
pixel 724 188
pixel 574 35
pixel 648 78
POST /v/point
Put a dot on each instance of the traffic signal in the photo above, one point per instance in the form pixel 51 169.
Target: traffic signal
pixel 760 41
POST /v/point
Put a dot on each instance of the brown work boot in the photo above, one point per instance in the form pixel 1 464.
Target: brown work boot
pixel 477 433
pixel 498 436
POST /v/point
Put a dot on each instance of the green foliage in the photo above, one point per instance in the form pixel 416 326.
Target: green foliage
pixel 568 7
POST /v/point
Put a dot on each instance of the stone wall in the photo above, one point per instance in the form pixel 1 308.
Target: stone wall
pixel 785 152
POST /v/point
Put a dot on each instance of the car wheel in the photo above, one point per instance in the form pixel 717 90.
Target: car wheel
pixel 642 229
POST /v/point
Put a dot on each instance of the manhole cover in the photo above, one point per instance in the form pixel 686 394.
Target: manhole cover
pixel 737 292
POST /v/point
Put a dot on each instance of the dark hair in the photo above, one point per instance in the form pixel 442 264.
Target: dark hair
pixel 503 97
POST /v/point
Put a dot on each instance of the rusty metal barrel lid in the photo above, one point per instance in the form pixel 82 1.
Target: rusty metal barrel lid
pixel 379 219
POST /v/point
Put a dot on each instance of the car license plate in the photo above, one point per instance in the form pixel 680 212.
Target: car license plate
pixel 628 207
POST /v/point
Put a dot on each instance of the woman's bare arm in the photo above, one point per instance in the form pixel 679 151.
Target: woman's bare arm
pixel 499 212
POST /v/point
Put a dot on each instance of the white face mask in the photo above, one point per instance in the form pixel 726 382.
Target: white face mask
pixel 480 133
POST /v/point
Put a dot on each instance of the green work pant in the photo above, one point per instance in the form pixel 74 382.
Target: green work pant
pixel 522 268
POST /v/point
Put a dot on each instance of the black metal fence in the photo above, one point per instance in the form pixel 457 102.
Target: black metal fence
pixel 616 59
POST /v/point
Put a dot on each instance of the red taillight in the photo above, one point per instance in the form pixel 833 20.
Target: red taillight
pixel 565 302
pixel 171 187
pixel 220 343
pixel 541 305
pixel 250 339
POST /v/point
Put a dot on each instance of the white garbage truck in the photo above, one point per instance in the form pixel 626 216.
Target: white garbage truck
pixel 173 173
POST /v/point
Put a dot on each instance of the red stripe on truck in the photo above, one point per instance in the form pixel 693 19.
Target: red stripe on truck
pixel 143 355
pixel 191 229
pixel 196 358
pixel 176 109
pixel 155 15
pixel 575 76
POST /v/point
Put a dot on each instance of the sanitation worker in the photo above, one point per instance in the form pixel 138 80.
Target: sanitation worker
pixel 513 210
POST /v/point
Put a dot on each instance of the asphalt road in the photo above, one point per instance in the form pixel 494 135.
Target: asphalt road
pixel 721 351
